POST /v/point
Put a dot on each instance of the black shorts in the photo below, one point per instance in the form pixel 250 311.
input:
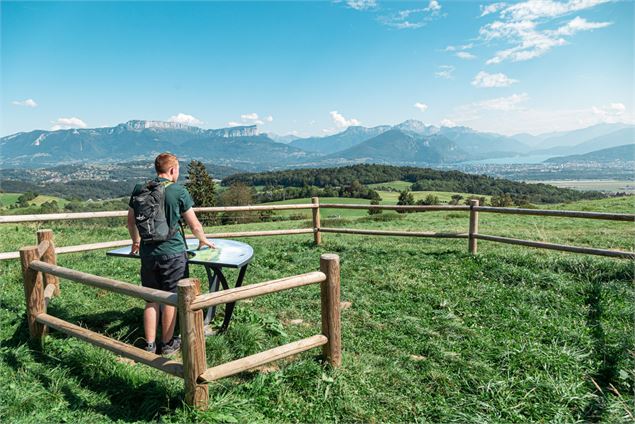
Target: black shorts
pixel 163 272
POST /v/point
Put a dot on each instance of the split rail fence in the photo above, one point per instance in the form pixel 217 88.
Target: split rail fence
pixel 41 284
pixel 472 234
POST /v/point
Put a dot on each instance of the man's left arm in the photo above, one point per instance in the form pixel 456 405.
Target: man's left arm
pixel 134 232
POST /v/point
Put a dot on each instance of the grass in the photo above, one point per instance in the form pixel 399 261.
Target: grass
pixel 432 334
pixel 7 199
pixel 610 186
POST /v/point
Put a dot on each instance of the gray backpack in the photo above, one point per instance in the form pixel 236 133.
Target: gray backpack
pixel 149 211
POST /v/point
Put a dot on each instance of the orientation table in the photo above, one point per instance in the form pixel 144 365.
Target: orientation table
pixel 228 254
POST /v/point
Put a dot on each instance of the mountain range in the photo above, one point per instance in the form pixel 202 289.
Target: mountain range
pixel 408 143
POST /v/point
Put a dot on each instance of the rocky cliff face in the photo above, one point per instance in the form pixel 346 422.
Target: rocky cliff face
pixel 245 131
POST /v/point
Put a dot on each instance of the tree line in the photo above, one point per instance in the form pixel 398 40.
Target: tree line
pixel 422 179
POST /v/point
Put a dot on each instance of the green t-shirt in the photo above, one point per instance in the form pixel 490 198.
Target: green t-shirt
pixel 177 201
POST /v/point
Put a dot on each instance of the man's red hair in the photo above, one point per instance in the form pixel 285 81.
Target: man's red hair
pixel 164 162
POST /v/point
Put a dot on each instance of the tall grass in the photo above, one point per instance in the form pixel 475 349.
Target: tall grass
pixel 430 333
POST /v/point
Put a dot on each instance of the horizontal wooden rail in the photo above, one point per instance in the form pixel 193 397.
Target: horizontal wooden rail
pixel 120 348
pixel 571 214
pixel 415 208
pixel 145 293
pixel 120 243
pixel 117 214
pixel 253 290
pixel 256 208
pixel 561 247
pixel 393 233
pixel 249 362
pixel 261 233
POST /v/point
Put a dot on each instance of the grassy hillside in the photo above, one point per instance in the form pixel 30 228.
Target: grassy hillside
pixel 430 333
pixel 8 199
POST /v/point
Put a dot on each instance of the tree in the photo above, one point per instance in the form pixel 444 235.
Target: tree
pixel 481 200
pixel 456 198
pixel 431 199
pixel 238 194
pixel 405 198
pixel 502 200
pixel 202 189
pixel 374 211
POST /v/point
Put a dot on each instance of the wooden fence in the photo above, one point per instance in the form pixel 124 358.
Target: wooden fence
pixel 472 233
pixel 40 261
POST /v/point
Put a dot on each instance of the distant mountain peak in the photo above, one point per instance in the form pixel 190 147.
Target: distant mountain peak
pixel 416 127
pixel 139 125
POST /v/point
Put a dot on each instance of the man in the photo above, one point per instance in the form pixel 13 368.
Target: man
pixel 164 263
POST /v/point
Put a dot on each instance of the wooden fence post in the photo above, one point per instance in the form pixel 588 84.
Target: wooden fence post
pixel 193 344
pixel 330 297
pixel 33 293
pixel 317 235
pixel 472 240
pixel 50 257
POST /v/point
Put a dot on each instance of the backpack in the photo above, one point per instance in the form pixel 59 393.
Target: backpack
pixel 149 211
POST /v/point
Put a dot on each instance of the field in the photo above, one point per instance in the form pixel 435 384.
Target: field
pixel 7 199
pixel 610 186
pixel 430 333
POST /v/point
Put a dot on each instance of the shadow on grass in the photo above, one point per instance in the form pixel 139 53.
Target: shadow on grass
pixel 129 398
pixel 608 357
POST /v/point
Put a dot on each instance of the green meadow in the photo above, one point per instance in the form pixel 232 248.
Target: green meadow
pixel 430 333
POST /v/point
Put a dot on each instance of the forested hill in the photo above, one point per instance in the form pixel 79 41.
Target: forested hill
pixel 423 179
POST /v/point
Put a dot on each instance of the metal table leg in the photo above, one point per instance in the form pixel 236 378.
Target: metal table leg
pixel 229 308
pixel 212 278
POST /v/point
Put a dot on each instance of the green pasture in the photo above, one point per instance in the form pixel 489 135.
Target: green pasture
pixel 610 186
pixel 7 199
pixel 394 185
pixel 430 333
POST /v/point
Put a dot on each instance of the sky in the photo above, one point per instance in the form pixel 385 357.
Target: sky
pixel 317 67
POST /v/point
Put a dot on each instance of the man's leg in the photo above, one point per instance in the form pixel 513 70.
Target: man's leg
pixel 151 311
pixel 168 319
pixel 150 321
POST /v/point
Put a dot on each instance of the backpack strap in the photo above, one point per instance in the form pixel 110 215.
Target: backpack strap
pixel 166 184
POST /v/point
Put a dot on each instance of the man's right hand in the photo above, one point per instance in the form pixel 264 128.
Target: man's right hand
pixel 204 242
pixel 135 248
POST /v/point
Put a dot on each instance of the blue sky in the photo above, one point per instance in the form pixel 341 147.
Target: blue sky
pixel 313 68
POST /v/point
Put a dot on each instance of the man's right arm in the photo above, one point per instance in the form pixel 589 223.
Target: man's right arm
pixel 197 229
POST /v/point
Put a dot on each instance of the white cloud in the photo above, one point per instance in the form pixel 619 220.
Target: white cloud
pixel 421 106
pixel 459 48
pixel 433 6
pixel 183 118
pixel 579 24
pixel 610 114
pixel 361 4
pixel 249 116
pixel 250 119
pixel 448 123
pixel 445 71
pixel 485 80
pixel 340 121
pixel 28 103
pixel 539 9
pixel 67 123
pixel 525 26
pixel 492 8
pixel 465 55
pixel 412 18
pixel 502 103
